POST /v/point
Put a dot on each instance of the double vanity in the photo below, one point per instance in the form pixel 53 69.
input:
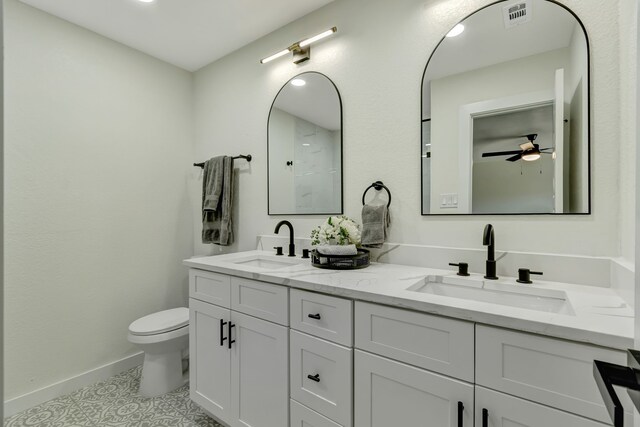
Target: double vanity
pixel 275 342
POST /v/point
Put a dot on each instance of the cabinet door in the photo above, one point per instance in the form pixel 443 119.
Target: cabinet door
pixel 502 410
pixel 210 359
pixel 259 372
pixel 390 393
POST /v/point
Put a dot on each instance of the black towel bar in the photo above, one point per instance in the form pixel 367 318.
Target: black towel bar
pixel 378 186
pixel 241 156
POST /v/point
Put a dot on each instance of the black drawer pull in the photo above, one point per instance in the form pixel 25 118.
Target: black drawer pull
pixel 315 377
pixel 460 413
pixel 231 325
pixel 485 417
pixel 222 337
pixel 315 316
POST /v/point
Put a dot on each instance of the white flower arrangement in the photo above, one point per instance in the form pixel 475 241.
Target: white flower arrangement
pixel 336 230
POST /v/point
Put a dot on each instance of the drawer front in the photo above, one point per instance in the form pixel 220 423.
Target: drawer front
pixel 435 343
pixel 260 299
pixel 550 371
pixel 508 411
pixel 331 365
pixel 322 315
pixel 301 416
pixel 210 287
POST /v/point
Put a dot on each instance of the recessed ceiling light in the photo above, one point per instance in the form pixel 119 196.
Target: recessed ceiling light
pixel 298 82
pixel 146 1
pixel 456 31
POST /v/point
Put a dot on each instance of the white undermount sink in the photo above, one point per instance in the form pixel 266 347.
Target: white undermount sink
pixel 265 262
pixel 522 296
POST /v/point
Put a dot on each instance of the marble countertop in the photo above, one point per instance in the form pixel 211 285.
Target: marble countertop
pixel 599 315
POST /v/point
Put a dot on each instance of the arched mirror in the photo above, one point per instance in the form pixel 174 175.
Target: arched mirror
pixel 505 114
pixel 305 148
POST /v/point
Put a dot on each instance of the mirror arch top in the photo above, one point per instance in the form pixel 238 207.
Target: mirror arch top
pixel 304 147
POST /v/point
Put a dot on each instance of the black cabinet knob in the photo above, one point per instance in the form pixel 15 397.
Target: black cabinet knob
pixel 278 250
pixel 315 377
pixel 524 275
pixel 290 163
pixel 463 268
pixel 315 316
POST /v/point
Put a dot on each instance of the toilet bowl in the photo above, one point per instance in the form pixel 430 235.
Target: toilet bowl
pixel 164 338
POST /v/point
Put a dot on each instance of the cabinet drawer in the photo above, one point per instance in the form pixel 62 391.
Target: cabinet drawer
pixel 322 315
pixel 301 416
pixel 508 411
pixel 260 299
pixel 436 343
pixel 331 364
pixel 546 370
pixel 210 287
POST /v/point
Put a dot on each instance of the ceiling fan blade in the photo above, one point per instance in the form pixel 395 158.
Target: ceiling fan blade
pixel 501 153
pixel 514 158
pixel 548 148
pixel 527 146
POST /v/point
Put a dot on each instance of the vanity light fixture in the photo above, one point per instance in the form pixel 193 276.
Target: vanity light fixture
pixel 456 31
pixel 298 82
pixel 301 50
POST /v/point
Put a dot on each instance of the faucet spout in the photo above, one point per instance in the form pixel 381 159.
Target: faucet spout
pixel 489 240
pixel 292 246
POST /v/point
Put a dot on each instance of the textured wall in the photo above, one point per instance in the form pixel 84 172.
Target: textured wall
pixel 97 146
pixel 376 60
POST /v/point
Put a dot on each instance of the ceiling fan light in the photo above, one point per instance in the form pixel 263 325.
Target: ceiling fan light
pixel 531 157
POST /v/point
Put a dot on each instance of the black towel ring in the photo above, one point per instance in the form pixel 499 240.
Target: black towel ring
pixel 378 186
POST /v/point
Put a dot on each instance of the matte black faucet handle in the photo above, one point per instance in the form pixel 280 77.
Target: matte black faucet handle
pixel 463 268
pixel 524 275
pixel 278 250
pixel 305 253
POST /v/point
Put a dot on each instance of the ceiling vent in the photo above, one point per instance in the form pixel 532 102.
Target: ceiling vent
pixel 517 13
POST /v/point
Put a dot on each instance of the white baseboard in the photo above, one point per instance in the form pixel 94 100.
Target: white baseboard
pixel 34 398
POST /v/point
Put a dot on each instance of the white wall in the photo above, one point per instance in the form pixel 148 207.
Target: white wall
pixel 97 148
pixel 376 61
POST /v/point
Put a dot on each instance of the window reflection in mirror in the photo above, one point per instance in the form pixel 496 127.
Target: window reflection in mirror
pixel 505 114
pixel 305 148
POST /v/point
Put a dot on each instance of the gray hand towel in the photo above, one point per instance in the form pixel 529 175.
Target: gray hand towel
pixel 217 201
pixel 212 179
pixel 375 220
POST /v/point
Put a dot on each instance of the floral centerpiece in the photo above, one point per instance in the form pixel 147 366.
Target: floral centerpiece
pixel 336 243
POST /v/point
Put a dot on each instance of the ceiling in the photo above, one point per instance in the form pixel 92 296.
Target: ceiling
pixel 187 33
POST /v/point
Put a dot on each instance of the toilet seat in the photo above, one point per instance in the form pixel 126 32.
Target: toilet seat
pixel 160 322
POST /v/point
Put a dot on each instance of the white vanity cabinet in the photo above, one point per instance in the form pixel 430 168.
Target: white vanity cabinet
pixel 239 363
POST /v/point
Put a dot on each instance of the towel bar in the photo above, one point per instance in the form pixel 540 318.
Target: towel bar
pixel 241 156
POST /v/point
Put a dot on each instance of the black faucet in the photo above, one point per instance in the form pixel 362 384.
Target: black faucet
pixel 489 240
pixel 292 246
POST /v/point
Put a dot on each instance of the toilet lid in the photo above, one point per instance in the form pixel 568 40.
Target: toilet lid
pixel 160 322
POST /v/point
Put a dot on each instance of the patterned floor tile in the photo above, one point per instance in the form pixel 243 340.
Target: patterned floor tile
pixel 60 412
pixel 115 402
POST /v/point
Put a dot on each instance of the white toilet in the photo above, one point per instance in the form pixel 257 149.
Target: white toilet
pixel 164 338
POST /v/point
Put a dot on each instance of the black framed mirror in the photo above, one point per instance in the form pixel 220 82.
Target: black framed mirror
pixel 304 148
pixel 505 114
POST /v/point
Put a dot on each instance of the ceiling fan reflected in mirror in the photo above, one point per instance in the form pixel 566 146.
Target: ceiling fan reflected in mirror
pixel 528 151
